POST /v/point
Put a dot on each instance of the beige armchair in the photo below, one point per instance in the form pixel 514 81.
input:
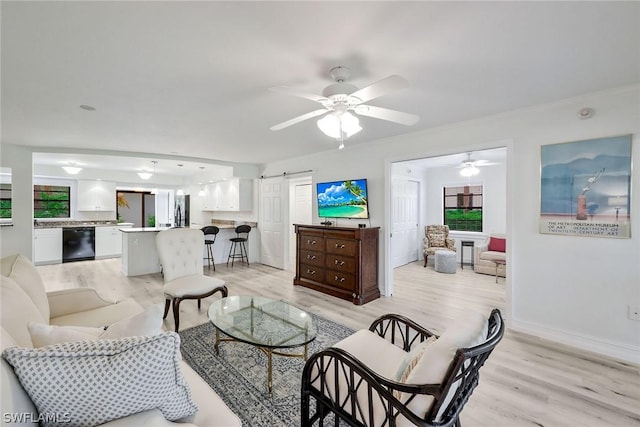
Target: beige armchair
pixel 437 239
pixel 490 257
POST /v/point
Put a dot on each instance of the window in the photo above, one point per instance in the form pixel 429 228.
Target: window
pixel 463 208
pixel 5 201
pixel 51 201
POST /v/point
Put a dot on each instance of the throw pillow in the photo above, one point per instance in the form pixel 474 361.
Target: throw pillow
pixel 437 240
pixel 147 323
pixel 410 361
pixel 497 244
pixel 467 331
pixel 412 358
pixel 93 382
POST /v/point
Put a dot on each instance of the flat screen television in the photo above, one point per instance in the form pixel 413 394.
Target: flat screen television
pixel 343 199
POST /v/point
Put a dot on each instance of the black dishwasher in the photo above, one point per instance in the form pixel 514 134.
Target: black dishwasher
pixel 78 244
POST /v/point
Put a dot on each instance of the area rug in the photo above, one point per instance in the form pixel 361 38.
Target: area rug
pixel 239 374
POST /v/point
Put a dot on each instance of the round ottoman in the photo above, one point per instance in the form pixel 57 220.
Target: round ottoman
pixel 446 262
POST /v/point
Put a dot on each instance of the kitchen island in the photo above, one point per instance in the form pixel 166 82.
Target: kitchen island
pixel 139 254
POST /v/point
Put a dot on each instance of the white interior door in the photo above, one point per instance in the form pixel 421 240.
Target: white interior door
pixel 404 221
pixel 271 222
pixel 301 205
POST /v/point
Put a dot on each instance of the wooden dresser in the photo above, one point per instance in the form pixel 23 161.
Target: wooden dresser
pixel 339 261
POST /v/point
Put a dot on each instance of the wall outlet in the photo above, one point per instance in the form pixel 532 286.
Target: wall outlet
pixel 634 312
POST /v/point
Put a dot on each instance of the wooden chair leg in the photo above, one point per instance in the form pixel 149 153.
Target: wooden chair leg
pixel 176 311
pixel 425 260
pixel 167 303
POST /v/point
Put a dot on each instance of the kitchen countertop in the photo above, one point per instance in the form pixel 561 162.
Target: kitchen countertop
pixel 67 224
pixel 143 229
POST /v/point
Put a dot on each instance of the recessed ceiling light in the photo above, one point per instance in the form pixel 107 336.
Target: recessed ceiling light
pixel 88 107
pixel 586 113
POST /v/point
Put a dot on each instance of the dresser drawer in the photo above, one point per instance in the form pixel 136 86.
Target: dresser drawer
pixel 311 242
pixel 312 258
pixel 341 279
pixel 341 263
pixel 342 246
pixel 311 272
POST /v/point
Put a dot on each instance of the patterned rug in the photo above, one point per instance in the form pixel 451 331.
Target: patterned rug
pixel 239 374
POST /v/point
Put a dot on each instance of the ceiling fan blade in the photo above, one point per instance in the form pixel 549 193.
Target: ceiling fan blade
pixel 380 88
pixel 299 119
pixel 289 91
pixel 387 114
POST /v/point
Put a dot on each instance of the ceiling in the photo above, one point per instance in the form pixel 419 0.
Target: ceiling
pixel 134 164
pixel 192 79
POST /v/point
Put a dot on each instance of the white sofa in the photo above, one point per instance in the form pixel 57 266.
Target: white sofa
pixel 29 302
pixel 484 259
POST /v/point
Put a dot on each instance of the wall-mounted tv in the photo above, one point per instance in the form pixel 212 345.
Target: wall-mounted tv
pixel 343 199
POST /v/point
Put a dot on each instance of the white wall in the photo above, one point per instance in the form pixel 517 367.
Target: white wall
pixel 494 181
pixel 18 238
pixel 571 289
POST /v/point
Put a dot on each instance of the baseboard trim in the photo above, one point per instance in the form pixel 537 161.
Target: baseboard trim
pixel 623 352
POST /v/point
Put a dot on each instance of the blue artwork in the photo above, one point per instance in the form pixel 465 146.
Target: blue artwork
pixel 585 187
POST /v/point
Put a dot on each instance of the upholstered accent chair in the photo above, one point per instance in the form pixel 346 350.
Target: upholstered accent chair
pixel 437 239
pixel 398 373
pixel 488 252
pixel 180 251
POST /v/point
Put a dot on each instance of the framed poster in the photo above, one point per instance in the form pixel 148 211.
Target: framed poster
pixel 585 188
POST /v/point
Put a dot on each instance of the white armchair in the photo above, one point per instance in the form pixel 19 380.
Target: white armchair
pixel 488 252
pixel 180 252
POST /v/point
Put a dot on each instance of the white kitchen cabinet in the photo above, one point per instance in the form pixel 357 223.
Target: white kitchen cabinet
pixel 96 196
pixel 234 194
pixel 109 241
pixel 47 246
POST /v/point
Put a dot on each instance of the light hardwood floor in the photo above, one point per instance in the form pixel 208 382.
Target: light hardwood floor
pixel 526 382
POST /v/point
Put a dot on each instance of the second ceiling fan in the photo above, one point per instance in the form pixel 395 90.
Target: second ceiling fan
pixel 340 99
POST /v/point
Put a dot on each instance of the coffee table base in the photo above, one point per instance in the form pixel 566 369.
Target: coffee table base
pixel 266 350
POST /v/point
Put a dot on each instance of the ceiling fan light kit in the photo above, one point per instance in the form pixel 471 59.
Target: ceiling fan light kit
pixel 341 99
pixel 337 125
pixel 470 167
pixel 469 171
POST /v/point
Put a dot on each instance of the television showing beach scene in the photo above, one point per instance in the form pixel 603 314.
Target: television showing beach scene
pixel 343 199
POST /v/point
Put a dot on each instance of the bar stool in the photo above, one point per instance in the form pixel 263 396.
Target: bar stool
pixel 238 242
pixel 210 230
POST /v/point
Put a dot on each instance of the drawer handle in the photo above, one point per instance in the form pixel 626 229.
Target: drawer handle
pixel 311 242
pixel 312 272
pixel 338 279
pixel 339 246
pixel 338 263
pixel 311 257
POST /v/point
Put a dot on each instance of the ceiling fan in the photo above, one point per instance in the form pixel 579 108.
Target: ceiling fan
pixel 469 167
pixel 339 99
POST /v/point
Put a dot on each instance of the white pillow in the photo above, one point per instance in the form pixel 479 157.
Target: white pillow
pixel 92 382
pixel 412 358
pixel 147 323
pixel 467 331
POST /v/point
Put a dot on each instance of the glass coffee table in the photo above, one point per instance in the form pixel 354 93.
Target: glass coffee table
pixel 270 325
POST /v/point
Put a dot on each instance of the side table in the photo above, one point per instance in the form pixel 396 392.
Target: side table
pixel 466 244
